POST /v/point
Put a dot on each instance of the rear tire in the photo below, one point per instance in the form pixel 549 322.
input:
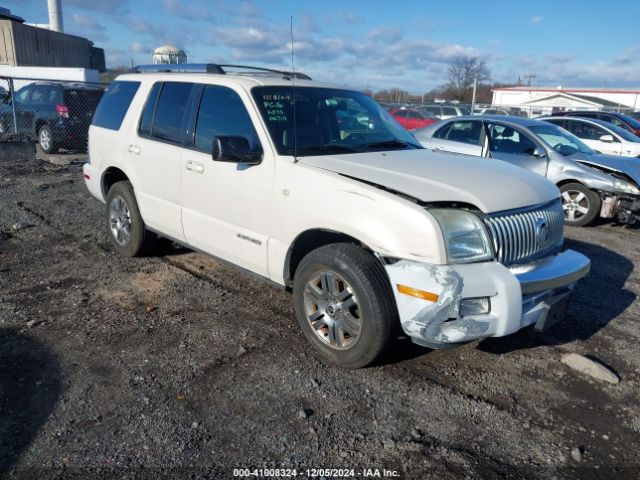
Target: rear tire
pixel 129 236
pixel 581 205
pixel 344 304
pixel 46 140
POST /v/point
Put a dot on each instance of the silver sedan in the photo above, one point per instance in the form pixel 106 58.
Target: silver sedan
pixel 591 184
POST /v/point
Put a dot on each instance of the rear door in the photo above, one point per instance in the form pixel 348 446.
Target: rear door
pixel 514 146
pixel 465 136
pixel 155 152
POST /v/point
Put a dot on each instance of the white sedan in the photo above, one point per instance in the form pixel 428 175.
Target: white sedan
pixel 604 137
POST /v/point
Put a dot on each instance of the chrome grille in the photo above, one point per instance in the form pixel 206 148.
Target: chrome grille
pixel 519 236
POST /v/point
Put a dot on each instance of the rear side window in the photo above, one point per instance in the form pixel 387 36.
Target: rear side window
pixel 146 119
pixel 167 122
pixel 221 113
pixel 114 104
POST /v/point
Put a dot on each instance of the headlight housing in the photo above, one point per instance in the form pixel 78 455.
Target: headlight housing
pixel 465 236
pixel 626 187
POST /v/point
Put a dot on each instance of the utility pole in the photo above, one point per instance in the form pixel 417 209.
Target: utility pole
pixel 473 98
pixel 530 77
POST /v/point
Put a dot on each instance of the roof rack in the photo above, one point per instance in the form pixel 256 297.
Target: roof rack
pixel 218 69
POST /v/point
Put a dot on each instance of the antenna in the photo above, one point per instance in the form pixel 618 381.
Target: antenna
pixel 293 97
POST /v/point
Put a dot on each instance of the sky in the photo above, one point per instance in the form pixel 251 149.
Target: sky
pixel 372 44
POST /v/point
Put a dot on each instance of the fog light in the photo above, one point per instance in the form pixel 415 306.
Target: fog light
pixel 475 306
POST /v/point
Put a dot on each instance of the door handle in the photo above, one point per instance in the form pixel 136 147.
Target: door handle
pixel 135 149
pixel 195 167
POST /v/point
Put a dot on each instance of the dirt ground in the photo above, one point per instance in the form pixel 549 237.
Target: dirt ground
pixel 176 366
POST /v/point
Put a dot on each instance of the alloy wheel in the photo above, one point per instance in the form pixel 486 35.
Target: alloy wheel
pixel 332 309
pixel 120 220
pixel 575 205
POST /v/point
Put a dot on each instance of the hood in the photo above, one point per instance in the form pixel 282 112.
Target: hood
pixel 442 177
pixel 627 165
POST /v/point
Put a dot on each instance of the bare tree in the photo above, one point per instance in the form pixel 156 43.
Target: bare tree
pixel 461 73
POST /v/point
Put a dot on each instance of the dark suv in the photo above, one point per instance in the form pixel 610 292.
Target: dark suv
pixel 56 114
pixel 618 119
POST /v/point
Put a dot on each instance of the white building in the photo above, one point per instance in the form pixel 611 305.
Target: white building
pixel 543 100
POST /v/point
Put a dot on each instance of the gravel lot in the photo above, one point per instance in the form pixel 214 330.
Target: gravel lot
pixel 178 366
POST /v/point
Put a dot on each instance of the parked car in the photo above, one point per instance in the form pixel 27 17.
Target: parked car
pixel 489 111
pixel 365 227
pixel 592 185
pixel 444 111
pixel 603 137
pixel 412 119
pixel 618 119
pixel 57 114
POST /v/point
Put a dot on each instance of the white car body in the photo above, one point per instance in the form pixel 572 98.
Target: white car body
pixel 602 136
pixel 253 215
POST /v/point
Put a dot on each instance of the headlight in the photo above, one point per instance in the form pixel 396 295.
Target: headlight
pixel 465 237
pixel 626 187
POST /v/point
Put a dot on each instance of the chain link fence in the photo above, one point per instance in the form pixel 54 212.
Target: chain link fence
pixel 55 113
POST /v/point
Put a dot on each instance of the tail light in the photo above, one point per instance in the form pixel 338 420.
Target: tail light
pixel 62 110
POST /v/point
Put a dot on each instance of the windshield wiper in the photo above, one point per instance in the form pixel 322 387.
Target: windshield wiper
pixel 325 148
pixel 391 143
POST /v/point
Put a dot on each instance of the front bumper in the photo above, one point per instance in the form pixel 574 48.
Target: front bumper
pixel 519 296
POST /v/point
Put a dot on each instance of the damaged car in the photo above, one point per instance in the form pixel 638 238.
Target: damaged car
pixel 317 189
pixel 592 185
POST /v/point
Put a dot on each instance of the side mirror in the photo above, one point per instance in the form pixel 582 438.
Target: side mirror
pixel 539 152
pixel 234 150
pixel 606 138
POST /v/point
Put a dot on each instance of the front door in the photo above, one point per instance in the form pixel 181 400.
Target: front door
pixel 514 146
pixel 464 136
pixel 226 205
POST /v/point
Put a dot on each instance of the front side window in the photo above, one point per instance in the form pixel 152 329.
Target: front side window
pixel 114 104
pixel 587 131
pixel 328 121
pixel 172 102
pixel 449 111
pixel 505 139
pixel 469 132
pixel 222 113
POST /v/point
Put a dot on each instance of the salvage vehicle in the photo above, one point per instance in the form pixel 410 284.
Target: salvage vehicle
pixel 592 185
pixel 369 230
pixel 412 119
pixel 603 137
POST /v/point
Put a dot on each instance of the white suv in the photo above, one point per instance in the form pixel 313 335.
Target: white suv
pixel 329 197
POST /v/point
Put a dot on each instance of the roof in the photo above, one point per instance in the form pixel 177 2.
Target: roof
pixel 521 121
pixel 593 101
pixel 579 90
pixel 244 80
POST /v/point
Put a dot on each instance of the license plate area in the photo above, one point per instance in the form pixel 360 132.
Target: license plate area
pixel 554 310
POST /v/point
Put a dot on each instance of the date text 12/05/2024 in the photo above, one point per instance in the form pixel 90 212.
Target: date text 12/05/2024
pixel 316 472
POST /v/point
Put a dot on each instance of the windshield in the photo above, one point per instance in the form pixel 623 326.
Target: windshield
pixel 328 121
pixel 632 122
pixel 560 140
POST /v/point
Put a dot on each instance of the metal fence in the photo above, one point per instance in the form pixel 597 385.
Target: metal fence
pixel 55 113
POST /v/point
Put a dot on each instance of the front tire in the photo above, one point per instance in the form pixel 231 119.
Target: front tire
pixel 46 140
pixel 344 304
pixel 580 204
pixel 129 236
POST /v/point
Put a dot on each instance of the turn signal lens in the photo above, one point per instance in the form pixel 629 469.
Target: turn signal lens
pixel 414 292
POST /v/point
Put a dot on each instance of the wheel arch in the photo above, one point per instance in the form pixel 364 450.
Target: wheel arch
pixel 310 240
pixel 564 182
pixel 110 176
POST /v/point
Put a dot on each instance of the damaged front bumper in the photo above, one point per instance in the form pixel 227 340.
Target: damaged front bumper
pixel 445 305
pixel 624 208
